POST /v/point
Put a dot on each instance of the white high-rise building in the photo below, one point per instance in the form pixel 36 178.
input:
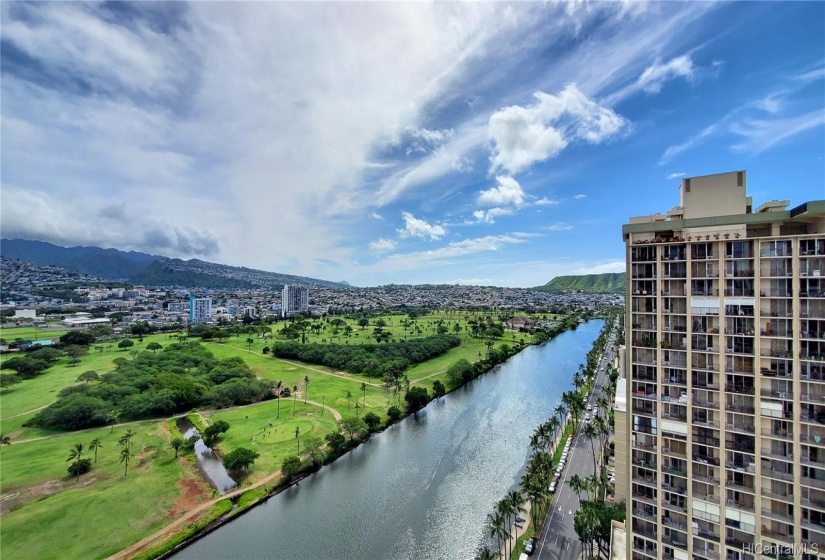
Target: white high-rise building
pixel 725 367
pixel 200 310
pixel 295 299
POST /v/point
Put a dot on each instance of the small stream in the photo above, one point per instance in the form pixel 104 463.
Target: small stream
pixel 209 462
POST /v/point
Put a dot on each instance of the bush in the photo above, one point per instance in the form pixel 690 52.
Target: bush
pixel 81 466
pixel 337 442
pixel 240 459
pixel 460 372
pixel 372 420
pixel 416 398
pixel 394 413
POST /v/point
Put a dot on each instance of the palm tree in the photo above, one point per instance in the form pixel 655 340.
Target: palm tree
pixel 578 485
pixel 592 432
pixel 114 416
pixel 497 526
pixel 560 411
pixel 125 455
pixel 278 386
pixel 364 390
pixel 294 398
pixel 249 342
pixel 75 454
pixel 298 438
pixel 95 445
pixel 306 388
pixel 349 400
pixel 126 439
pixel 516 500
pixel 487 554
pixel 588 524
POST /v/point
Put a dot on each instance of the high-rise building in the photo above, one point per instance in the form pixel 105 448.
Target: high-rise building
pixel 726 377
pixel 200 310
pixel 295 299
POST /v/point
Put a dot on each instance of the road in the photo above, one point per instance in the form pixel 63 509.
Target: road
pixel 558 538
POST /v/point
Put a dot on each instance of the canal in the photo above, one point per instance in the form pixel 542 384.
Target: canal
pixel 421 489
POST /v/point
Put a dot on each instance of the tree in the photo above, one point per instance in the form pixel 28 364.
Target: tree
pixel 578 485
pixel 125 343
pixel 349 399
pixel 372 421
pixel 278 386
pixel 585 523
pixel 486 554
pixel 249 342
pixel 25 367
pixel 76 454
pixel 438 389
pixel 153 346
pixel 312 447
pixel 9 379
pixel 126 439
pixel 592 432
pixel 240 459
pixel 94 446
pixel 416 398
pixel 498 526
pixel 363 322
pixel 306 388
pixel 177 443
pixel 353 425
pixel 90 375
pixel 460 372
pixel 125 455
pixel 5 440
pixel 81 466
pixel 364 390
pixel 298 438
pixel 79 338
pixel 336 441
pixel 113 417
pixel 211 433
pixel 291 466
pixel 394 413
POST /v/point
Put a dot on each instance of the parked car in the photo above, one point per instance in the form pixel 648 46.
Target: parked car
pixel 552 488
pixel 530 547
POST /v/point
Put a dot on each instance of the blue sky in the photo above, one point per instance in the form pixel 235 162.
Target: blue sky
pixel 479 143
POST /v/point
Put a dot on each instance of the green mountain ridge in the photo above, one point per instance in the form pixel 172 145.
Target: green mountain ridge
pixel 610 282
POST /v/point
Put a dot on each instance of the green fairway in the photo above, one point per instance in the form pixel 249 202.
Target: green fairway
pixel 120 509
pixel 12 333
pixel 258 428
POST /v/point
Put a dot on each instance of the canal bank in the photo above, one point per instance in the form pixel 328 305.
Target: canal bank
pixel 422 488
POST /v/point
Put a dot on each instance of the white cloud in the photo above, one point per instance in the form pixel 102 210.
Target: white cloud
pixel 489 216
pixel 416 227
pixel 580 196
pixel 654 76
pixel 449 253
pixel 524 135
pixel 507 191
pixel 544 201
pixel 376 216
pixel 760 134
pixel 676 175
pixel 382 244
pixel 558 226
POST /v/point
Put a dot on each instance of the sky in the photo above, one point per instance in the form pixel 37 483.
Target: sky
pixel 475 143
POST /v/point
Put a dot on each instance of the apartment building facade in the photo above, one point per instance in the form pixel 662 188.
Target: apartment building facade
pixel 725 367
pixel 294 299
pixel 200 310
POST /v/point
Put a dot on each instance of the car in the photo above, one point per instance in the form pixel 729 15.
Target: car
pixel 552 488
pixel 587 417
pixel 570 437
pixel 589 407
pixel 530 547
pixel 559 469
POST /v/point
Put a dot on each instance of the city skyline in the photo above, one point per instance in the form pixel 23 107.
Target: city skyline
pixel 385 143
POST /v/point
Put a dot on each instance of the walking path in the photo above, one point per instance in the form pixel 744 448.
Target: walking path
pixel 167 530
pixel 28 411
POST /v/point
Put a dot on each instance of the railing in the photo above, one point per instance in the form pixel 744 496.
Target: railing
pixel 815 482
pixel 705 404
pixel 784 537
pixel 785 434
pixel 778 394
pixel 741 505
pixel 777 474
pixel 735 486
pixel 747 428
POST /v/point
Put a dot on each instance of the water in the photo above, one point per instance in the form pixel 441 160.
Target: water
pixel 210 465
pixel 423 488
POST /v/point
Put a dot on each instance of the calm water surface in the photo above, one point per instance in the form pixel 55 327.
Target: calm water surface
pixel 423 488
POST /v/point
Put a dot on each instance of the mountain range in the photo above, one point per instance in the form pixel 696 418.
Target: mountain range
pixel 150 270
pixel 611 282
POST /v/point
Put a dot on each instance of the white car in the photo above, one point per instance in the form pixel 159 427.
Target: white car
pixel 552 488
pixel 587 417
pixel 589 407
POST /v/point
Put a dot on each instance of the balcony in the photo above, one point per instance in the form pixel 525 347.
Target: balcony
pixel 784 517
pixel 779 475
pixel 777 394
pixel 645 499
pixel 739 505
pixel 741 428
pixel 814 482
pixel 705 404
pixel 778 536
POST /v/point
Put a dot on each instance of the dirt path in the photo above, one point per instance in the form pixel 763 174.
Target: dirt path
pixel 335 413
pixel 420 379
pixel 28 411
pixel 167 531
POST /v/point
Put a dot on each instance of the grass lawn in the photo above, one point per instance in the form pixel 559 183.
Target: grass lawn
pixel 55 514
pixel 249 427
pixel 11 333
